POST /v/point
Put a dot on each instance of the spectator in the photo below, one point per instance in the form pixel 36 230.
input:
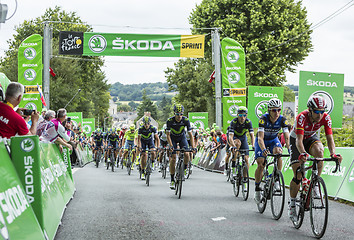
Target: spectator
pixel 11 122
pixel 55 131
pixel 44 111
pixel 46 119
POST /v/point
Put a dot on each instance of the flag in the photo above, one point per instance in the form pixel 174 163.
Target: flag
pixel 41 94
pixel 211 79
pixel 51 72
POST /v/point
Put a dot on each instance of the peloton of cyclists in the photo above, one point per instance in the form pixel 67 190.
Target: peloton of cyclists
pixel 176 134
pixel 304 141
pixel 147 134
pixel 267 141
pixel 237 135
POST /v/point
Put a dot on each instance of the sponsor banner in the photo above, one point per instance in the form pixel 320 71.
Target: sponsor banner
pixel 30 67
pixel 234 92
pixel 17 219
pixel 76 118
pixel 71 43
pixel 258 97
pixel 148 45
pixel 230 108
pixel 328 85
pixel 200 119
pixel 88 126
pixel 4 82
pixel 233 64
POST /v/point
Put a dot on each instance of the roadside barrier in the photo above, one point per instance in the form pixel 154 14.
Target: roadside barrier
pixel 46 176
pixel 339 184
pixel 17 218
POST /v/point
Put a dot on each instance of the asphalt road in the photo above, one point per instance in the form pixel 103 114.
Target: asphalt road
pixel 113 205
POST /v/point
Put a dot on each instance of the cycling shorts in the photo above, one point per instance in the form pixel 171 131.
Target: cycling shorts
pixel 163 144
pixel 128 143
pixel 308 143
pixel 147 144
pixel 182 143
pixel 271 144
pixel 113 144
pixel 244 143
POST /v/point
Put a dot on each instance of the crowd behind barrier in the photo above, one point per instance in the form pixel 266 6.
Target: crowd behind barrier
pixel 339 185
pixel 35 187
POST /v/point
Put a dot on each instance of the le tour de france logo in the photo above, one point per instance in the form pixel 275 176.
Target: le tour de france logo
pixel 97 43
pixel 328 98
pixel 261 108
pixel 27 144
pixel 30 74
pixel 30 53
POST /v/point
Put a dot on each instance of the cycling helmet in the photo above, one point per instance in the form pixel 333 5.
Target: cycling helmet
pixel 274 103
pixel 124 127
pixel 118 129
pixel 132 127
pixel 178 108
pixel 316 102
pixel 164 126
pixel 146 120
pixel 98 130
pixel 242 109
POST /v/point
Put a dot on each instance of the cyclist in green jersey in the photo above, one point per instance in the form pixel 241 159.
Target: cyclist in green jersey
pixel 128 141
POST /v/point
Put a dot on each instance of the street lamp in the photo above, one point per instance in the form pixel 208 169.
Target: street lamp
pixel 104 124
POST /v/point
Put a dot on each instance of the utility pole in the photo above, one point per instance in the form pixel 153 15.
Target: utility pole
pixel 217 63
pixel 46 62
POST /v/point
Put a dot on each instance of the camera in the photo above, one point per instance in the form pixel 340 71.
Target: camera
pixel 68 119
pixel 28 112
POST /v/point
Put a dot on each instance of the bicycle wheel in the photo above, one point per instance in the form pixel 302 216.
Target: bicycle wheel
pixel 107 163
pixel 148 179
pixel 277 196
pixel 245 183
pixel 188 170
pixel 300 211
pixel 236 185
pixel 113 159
pixel 179 188
pixel 263 204
pixel 318 207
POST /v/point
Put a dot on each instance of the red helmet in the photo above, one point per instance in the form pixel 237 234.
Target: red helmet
pixel 316 102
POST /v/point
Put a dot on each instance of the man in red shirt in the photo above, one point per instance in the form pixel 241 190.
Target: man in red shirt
pixel 304 141
pixel 11 122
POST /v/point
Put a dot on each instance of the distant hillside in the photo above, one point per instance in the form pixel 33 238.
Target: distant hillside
pixel 133 92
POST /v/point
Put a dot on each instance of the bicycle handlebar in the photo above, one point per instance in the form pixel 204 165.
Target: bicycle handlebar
pixel 278 155
pixel 328 160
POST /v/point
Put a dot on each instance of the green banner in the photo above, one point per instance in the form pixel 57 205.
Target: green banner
pixel 328 85
pixel 233 64
pixel 17 219
pixel 200 119
pixel 230 108
pixel 148 45
pixel 88 126
pixel 258 97
pixel 30 67
pixel 4 82
pixel 76 118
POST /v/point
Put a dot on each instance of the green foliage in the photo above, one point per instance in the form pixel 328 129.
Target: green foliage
pixel 147 106
pixel 133 105
pixel 289 95
pixel 343 137
pixel 123 108
pixel 80 72
pixel 259 25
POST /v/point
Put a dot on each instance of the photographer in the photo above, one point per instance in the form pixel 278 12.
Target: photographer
pixel 11 122
pixel 43 124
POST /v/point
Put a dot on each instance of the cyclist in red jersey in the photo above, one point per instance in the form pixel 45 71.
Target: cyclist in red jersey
pixel 304 141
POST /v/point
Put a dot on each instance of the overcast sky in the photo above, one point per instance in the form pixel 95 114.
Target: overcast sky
pixel 333 41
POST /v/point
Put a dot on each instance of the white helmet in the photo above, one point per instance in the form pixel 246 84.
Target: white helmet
pixel 274 103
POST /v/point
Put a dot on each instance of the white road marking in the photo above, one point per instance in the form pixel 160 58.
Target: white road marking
pixel 218 219
pixel 74 170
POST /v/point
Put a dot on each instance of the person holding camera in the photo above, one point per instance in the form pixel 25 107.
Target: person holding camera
pixel 12 122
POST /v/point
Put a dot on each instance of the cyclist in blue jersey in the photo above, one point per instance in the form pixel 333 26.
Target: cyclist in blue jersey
pixel 267 141
pixel 146 135
pixel 176 134
pixel 112 143
pixel 98 140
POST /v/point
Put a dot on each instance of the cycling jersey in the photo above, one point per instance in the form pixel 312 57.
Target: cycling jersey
pixel 177 128
pixel 112 138
pixel 270 129
pixel 304 126
pixel 98 139
pixel 146 134
pixel 240 129
pixel 129 135
pixel 194 134
pixel 162 135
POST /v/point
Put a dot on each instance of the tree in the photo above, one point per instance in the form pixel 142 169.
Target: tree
pixel 71 74
pixel 147 106
pixel 123 108
pixel 133 105
pixel 274 34
pixel 289 95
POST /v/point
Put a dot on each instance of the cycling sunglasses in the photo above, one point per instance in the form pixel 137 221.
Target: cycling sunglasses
pixel 318 111
pixel 178 114
pixel 242 115
pixel 275 110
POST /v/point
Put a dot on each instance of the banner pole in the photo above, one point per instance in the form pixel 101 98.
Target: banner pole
pixel 46 62
pixel 217 62
pixel 335 197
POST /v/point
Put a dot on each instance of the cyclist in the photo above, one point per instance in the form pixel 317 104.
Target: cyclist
pixel 237 135
pixel 145 139
pixel 112 143
pixel 228 152
pixel 304 141
pixel 128 141
pixel 98 140
pixel 267 137
pixel 195 140
pixel 121 137
pixel 176 134
pixel 163 143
